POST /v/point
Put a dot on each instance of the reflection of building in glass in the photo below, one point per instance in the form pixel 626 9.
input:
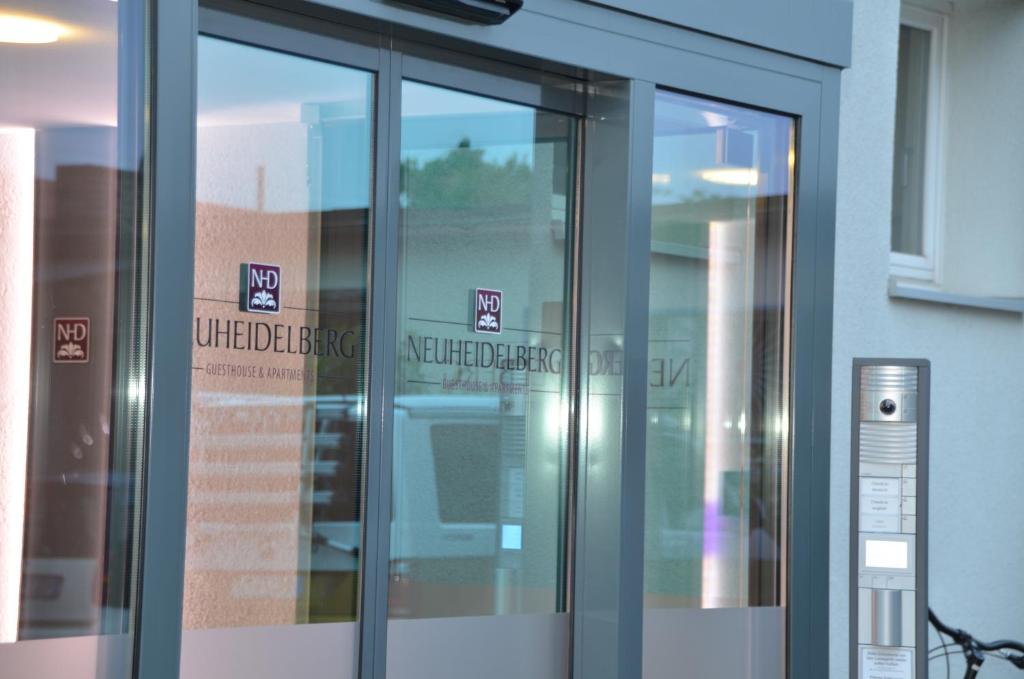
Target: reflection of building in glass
pixel 715 530
pixel 277 444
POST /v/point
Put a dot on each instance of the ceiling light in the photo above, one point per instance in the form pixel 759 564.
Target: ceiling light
pixel 662 178
pixel 713 119
pixel 29 30
pixel 732 176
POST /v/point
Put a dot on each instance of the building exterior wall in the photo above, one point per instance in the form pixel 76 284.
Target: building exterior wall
pixel 984 236
pixel 976 555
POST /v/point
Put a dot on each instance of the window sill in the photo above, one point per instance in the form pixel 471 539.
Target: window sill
pixel 901 289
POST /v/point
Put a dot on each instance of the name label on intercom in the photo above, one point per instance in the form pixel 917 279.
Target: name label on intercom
pixel 886 664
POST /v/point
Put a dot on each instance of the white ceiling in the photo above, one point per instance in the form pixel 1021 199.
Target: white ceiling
pixel 70 82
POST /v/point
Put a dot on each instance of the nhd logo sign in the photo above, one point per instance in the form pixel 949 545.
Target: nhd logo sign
pixel 487 311
pixel 260 288
pixel 71 340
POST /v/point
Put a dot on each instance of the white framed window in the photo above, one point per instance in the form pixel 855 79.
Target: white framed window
pixel 917 149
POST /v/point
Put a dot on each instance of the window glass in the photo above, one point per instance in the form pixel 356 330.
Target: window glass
pixel 278 381
pixel 717 389
pixel 480 434
pixel 72 386
pixel 909 157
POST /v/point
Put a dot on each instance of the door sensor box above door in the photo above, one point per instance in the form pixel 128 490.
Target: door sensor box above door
pixel 474 11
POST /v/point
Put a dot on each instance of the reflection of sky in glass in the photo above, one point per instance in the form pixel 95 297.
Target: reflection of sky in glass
pixel 280 133
pixel 679 161
pixel 436 120
pixel 247 85
pixel 688 133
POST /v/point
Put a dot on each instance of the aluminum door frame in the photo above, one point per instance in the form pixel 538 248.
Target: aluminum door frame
pixel 637 52
pixel 270 29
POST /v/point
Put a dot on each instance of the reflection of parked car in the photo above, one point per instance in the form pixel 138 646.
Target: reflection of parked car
pixel 446 478
pixel 452 482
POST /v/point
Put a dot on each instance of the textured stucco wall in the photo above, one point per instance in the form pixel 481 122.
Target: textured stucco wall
pixel 17 166
pixel 248 498
pixel 976 552
pixel 985 152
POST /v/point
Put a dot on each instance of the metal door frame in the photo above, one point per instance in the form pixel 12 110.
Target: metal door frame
pixel 621 64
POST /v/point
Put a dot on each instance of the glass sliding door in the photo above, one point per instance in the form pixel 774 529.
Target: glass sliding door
pixel 718 416
pixel 480 423
pixel 279 362
pixel 74 314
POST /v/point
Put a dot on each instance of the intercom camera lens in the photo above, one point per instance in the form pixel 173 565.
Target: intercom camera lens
pixel 887 406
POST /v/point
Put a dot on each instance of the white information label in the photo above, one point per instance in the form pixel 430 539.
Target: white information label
pixel 886 663
pixel 889 554
pixel 886 506
pixel 878 486
pixel 880 523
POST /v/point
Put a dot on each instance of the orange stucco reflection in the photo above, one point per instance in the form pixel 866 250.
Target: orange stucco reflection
pixel 251 429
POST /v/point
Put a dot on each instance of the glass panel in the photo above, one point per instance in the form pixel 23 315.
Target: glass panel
pixel 71 335
pixel 278 386
pixel 911 141
pixel 717 395
pixel 480 426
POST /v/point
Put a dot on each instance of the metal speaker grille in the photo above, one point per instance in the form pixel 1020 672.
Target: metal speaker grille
pixel 888 442
pixel 888 378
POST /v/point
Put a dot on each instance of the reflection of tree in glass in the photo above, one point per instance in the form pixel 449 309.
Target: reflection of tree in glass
pixel 462 179
pixel 685 221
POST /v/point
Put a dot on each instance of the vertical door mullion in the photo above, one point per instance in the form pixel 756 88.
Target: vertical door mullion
pixel 635 376
pixel 607 624
pixel 171 220
pixel 380 406
pixel 810 392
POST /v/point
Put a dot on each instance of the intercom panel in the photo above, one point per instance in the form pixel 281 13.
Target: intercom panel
pixel 889 546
